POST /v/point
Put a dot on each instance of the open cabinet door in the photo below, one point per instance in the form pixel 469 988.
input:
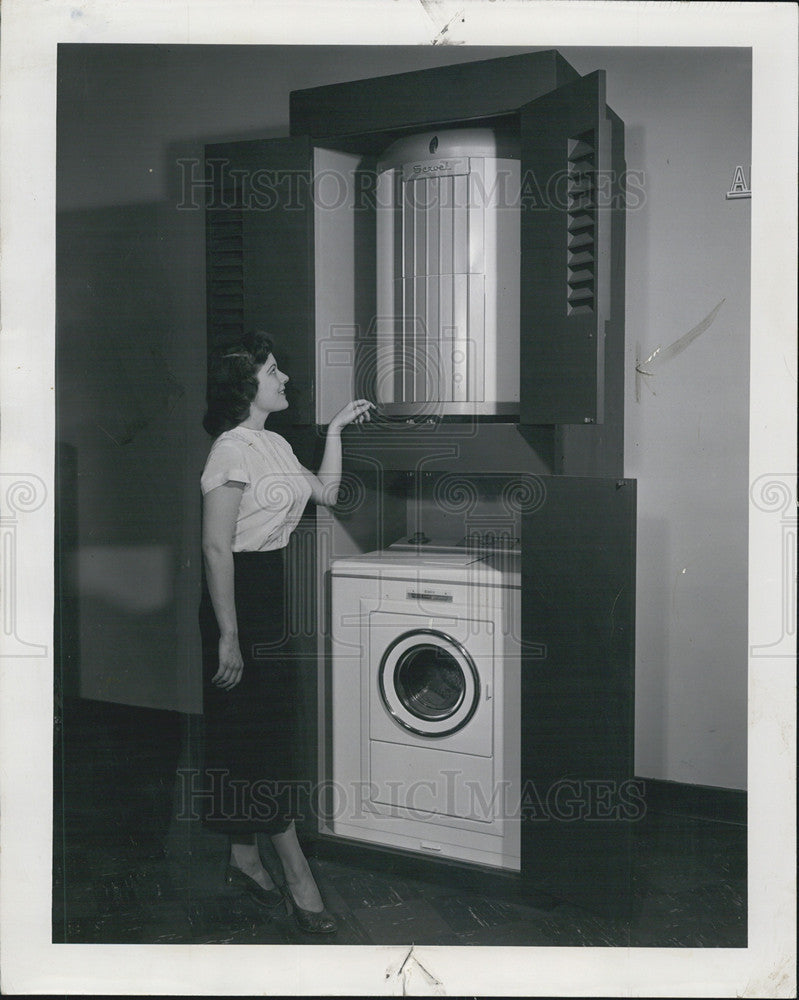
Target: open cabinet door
pixel 259 248
pixel 259 273
pixel 579 804
pixel 566 139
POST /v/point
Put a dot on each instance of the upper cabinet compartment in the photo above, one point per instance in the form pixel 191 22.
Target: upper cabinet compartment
pixel 443 245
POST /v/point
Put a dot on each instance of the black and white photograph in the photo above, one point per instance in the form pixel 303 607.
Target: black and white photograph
pixel 399 499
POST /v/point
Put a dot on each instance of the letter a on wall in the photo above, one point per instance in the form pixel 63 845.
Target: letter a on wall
pixel 739 188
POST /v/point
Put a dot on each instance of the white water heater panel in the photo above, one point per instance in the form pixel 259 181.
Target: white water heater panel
pixel 448 275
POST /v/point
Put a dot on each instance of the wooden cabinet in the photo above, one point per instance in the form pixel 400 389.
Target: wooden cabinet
pixel 291 248
pixel 281 197
pixel 579 803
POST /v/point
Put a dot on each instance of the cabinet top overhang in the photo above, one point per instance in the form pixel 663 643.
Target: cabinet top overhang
pixel 428 97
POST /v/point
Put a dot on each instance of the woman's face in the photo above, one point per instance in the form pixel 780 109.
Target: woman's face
pixel 271 395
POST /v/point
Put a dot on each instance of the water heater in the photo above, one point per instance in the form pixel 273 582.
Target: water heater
pixel 448 274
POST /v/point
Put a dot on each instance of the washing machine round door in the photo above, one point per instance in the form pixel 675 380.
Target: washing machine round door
pixel 429 683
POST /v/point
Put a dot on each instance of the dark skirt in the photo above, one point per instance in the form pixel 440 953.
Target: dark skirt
pixel 249 782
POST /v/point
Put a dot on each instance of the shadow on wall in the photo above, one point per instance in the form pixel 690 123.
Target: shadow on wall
pixel 120 413
pixel 114 322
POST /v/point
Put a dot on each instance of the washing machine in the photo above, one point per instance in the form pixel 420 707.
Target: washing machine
pixel 424 701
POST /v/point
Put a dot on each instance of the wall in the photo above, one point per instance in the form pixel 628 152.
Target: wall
pixel 688 125
pixel 132 347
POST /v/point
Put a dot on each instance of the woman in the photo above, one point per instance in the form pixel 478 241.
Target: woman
pixel 254 492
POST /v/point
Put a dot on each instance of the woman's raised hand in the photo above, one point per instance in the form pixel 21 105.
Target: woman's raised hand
pixel 353 413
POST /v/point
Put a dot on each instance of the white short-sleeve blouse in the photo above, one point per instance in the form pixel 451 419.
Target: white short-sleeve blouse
pixel 276 486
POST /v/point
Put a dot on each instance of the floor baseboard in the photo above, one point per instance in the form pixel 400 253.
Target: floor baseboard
pixel 706 802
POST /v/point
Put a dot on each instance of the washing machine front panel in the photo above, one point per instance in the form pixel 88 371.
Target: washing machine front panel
pixel 453 664
pixel 429 682
pixel 431 679
pixel 422 784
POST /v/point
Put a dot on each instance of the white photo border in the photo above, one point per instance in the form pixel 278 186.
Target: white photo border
pixel 31 30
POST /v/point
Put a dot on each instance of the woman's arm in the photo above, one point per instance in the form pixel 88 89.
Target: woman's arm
pixel 325 484
pixel 220 508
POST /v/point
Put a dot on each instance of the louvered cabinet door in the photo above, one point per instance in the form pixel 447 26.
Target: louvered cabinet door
pixel 567 197
pixel 259 247
pixel 224 269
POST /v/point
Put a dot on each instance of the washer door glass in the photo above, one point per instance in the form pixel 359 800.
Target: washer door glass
pixel 429 683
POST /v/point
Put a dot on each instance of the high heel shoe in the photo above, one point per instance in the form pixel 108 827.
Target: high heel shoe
pixel 273 898
pixel 321 922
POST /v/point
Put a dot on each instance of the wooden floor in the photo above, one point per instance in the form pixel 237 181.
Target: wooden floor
pixel 128 869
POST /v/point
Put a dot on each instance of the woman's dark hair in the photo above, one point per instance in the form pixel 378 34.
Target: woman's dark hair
pixel 233 382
